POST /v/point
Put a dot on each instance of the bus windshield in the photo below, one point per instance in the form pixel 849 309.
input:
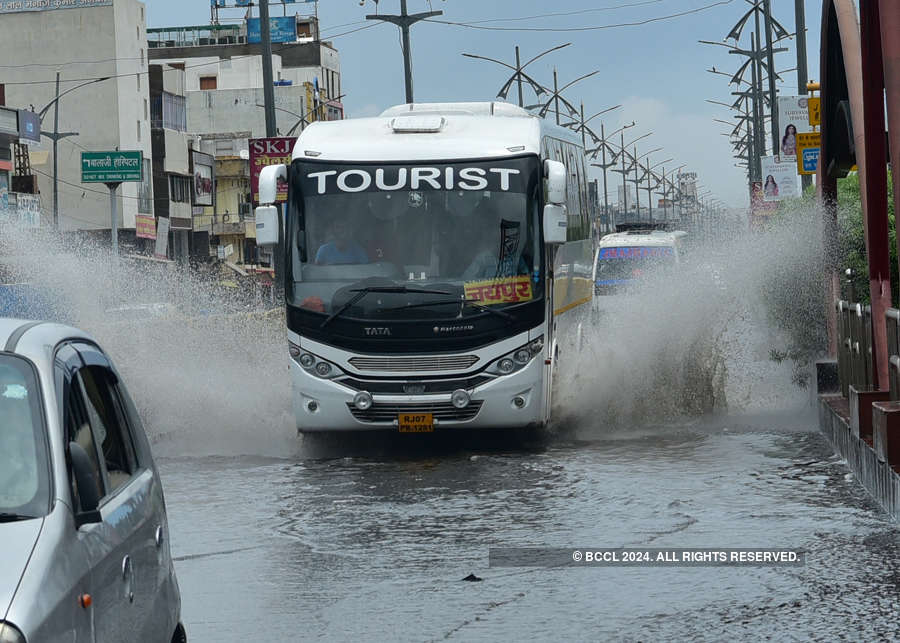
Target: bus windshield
pixel 412 241
pixel 623 264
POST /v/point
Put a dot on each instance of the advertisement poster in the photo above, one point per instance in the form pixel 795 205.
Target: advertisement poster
pixel 203 178
pixel 28 208
pixel 162 239
pixel 793 119
pixel 269 151
pixel 145 226
pixel 779 178
pixel 281 29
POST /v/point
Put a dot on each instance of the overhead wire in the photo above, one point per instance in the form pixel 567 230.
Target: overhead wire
pixel 471 25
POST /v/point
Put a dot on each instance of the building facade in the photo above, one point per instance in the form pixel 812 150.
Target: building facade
pixel 99 48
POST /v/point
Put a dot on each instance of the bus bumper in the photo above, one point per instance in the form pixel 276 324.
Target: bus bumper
pixel 510 401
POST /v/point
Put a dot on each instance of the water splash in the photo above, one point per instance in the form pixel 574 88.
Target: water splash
pixel 701 339
pixel 209 374
pixel 205 364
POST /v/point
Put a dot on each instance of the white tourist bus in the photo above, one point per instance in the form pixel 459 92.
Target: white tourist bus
pixel 435 257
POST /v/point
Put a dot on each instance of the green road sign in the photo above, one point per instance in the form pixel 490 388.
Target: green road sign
pixel 111 167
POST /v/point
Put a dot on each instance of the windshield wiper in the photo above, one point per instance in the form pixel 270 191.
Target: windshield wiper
pixel 362 292
pixel 13 517
pixel 461 302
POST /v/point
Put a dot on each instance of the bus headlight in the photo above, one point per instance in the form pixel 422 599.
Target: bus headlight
pixel 518 359
pixel 313 364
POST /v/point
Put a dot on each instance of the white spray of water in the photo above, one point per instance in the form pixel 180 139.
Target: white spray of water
pixel 700 340
pixel 209 375
pixel 212 378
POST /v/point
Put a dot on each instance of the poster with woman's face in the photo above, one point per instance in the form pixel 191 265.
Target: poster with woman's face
pixel 793 119
pixel 779 178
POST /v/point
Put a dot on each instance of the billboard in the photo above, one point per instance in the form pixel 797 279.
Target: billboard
pixel 145 226
pixel 202 170
pixel 779 178
pixel 808 146
pixel 793 119
pixel 18 6
pixel 29 127
pixel 269 151
pixel 281 29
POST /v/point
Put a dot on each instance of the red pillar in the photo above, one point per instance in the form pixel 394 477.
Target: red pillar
pixel 890 48
pixel 873 175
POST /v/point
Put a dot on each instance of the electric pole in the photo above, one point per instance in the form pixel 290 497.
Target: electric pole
pixel 268 80
pixel 405 20
pixel 802 76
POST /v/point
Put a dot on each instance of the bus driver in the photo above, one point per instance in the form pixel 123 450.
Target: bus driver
pixel 343 249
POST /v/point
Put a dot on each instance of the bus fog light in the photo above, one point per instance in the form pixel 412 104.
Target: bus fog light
pixel 307 360
pixel 522 356
pixel 323 369
pixel 312 406
pixel 519 401
pixel 506 365
pixel 363 400
pixel 460 398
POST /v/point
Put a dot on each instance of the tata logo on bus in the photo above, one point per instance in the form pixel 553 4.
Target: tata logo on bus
pixel 368 179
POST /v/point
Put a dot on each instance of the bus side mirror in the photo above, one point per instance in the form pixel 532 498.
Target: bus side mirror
pixel 267 225
pixel 555 173
pixel 555 223
pixel 268 183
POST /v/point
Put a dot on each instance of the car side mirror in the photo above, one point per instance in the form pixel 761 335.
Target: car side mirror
pixel 267 228
pixel 555 173
pixel 555 224
pixel 88 492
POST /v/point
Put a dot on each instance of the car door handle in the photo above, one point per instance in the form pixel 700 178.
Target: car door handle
pixel 128 577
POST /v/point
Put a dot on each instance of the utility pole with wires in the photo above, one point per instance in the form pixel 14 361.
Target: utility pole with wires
pixel 405 20
pixel 519 74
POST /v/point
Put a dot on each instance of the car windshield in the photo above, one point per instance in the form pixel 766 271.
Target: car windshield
pixel 24 472
pixel 626 263
pixel 420 239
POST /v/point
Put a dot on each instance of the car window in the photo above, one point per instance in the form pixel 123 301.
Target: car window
pixel 24 470
pixel 110 430
pixel 78 429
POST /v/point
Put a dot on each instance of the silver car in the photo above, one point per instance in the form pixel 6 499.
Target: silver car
pixel 84 541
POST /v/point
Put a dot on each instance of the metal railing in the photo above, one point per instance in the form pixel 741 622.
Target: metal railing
pixel 854 326
pixel 892 322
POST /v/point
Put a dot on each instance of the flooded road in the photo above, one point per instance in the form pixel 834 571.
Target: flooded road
pixel 375 547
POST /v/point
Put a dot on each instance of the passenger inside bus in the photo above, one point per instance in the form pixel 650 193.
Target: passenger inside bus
pixel 342 249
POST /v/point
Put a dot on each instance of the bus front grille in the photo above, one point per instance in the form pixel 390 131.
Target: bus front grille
pixel 442 411
pixel 414 364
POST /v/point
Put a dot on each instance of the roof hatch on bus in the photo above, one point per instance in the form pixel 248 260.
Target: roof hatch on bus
pixel 417 124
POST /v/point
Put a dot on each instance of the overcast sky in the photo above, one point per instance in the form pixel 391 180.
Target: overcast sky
pixel 655 70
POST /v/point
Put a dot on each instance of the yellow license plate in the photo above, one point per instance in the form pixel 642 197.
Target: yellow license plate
pixel 416 423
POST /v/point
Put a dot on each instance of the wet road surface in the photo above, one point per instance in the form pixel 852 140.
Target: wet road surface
pixel 375 547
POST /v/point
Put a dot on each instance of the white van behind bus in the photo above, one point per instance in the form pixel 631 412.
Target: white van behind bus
pixel 623 259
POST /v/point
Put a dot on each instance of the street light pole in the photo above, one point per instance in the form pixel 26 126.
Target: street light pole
pixel 405 20
pixel 56 157
pixel 57 135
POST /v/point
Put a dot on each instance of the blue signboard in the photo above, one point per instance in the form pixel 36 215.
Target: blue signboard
pixel 281 29
pixel 810 159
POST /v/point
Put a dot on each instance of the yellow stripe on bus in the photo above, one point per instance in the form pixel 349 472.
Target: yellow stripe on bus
pixel 560 311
